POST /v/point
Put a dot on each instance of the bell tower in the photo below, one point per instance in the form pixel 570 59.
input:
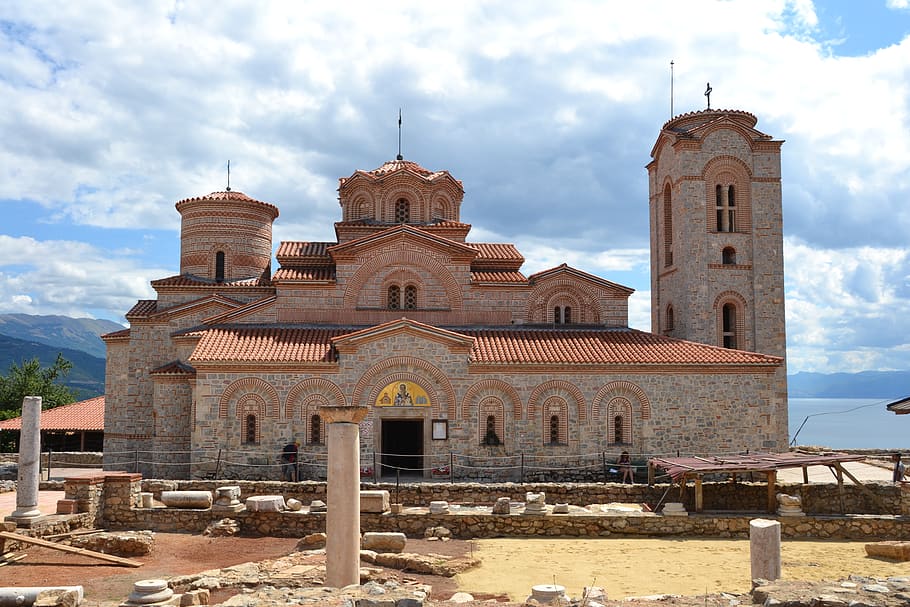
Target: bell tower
pixel 717 270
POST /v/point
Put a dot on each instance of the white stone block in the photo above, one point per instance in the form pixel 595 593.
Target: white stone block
pixel 375 501
pixel 265 503
pixel 187 499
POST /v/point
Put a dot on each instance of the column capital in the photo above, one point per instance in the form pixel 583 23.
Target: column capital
pixel 343 414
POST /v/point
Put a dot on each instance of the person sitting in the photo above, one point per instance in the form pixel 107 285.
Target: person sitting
pixel 625 466
pixel 898 470
pixel 289 461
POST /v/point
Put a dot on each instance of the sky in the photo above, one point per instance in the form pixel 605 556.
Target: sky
pixel 546 111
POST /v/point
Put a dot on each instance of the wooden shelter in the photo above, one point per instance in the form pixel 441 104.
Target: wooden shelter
pixel 900 407
pixel 77 426
pixel 682 469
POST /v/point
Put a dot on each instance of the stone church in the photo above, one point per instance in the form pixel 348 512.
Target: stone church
pixel 452 348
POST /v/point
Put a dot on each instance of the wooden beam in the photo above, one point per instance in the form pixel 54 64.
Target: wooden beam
pixel 72 550
pixel 840 487
pixel 805 475
pixel 699 497
pixel 878 500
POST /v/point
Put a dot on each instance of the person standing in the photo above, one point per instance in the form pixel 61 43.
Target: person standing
pixel 289 461
pixel 898 470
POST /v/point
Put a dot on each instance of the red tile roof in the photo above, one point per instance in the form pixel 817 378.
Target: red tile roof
pixel 297 273
pixel 83 415
pixel 481 276
pixel 529 345
pixel 296 249
pixel 267 344
pixel 174 368
pixel 143 308
pixel 228 196
pixel 395 166
pixel 122 333
pixel 187 280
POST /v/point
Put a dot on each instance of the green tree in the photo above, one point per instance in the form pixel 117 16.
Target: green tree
pixel 30 379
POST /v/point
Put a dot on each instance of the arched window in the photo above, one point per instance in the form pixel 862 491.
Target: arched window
pixel 315 430
pixel 410 297
pixel 668 227
pixel 618 429
pixel 562 315
pixel 729 256
pixel 249 434
pixel 402 211
pixel 554 429
pixel 490 437
pixel 567 315
pixel 670 320
pixel 729 325
pixel 219 266
pixel 725 203
pixel 394 298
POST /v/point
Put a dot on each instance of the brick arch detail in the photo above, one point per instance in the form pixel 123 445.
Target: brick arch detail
pixel 253 385
pixel 318 386
pixel 741 308
pixel 407 368
pixel 445 204
pixel 625 389
pixel 737 172
pixel 392 259
pixel 417 199
pixel 256 409
pixel 560 387
pixel 539 311
pixel 491 387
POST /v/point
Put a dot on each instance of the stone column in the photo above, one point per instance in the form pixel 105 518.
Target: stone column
pixel 29 462
pixel 764 549
pixel 342 546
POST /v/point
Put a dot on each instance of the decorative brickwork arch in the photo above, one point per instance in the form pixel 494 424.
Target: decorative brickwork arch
pixel 619 431
pixel 666 224
pixel 491 387
pixel 728 171
pixel 393 260
pixel 563 293
pixel 739 330
pixel 249 385
pixel 621 389
pixel 299 394
pixel 407 368
pixel 557 387
pixel 250 409
pixel 491 426
pixel 358 204
pixel 443 208
pixel 416 200
pixel 554 421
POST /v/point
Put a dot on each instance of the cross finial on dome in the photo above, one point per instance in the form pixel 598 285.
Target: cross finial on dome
pixel 399 157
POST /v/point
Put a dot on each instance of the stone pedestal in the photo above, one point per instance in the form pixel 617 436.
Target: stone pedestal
pixel 560 508
pixel 503 505
pixel 374 501
pixel 674 509
pixel 535 503
pixel 547 594
pixel 227 499
pixel 266 503
pixel 764 549
pixel 342 550
pixel 149 592
pixel 439 507
pixel 29 463
pixel 789 505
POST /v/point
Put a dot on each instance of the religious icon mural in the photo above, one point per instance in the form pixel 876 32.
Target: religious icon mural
pixel 403 394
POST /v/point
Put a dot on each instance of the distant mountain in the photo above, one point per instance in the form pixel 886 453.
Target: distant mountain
pixel 86 377
pixel 59 331
pixel 866 384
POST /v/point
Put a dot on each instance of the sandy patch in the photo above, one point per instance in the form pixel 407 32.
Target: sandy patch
pixel 635 567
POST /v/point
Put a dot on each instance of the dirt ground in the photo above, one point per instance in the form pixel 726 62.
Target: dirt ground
pixel 625 567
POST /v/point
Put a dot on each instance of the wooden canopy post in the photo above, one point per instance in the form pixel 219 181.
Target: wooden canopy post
pixel 699 497
pixel 650 474
pixel 840 487
pixel 772 490
pixel 805 475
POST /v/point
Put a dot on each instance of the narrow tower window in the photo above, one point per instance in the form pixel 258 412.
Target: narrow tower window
pixel 668 227
pixel 725 203
pixel 554 429
pixel 490 436
pixel 402 211
pixel 315 430
pixel 729 256
pixel 617 429
pixel 394 298
pixel 219 266
pixel 729 325
pixel 250 430
pixel 670 320
pixel 410 297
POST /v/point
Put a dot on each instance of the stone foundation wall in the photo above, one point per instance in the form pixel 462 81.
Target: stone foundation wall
pixel 113 502
pixel 817 499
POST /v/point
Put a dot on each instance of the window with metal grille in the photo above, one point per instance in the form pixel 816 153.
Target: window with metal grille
pixel 410 297
pixel 315 430
pixel 402 211
pixel 250 429
pixel 394 298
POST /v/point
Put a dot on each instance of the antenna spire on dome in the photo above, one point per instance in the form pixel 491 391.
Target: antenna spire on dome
pixel 399 157
pixel 228 176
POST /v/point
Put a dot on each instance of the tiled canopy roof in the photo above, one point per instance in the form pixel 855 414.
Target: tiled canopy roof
pixel 900 407
pixel 227 196
pixel 512 345
pixel 297 249
pixel 267 344
pixel 482 276
pixel 304 273
pixel 83 415
pixel 188 280
pixel 143 307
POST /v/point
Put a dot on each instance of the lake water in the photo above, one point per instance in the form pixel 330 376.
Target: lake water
pixel 849 423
